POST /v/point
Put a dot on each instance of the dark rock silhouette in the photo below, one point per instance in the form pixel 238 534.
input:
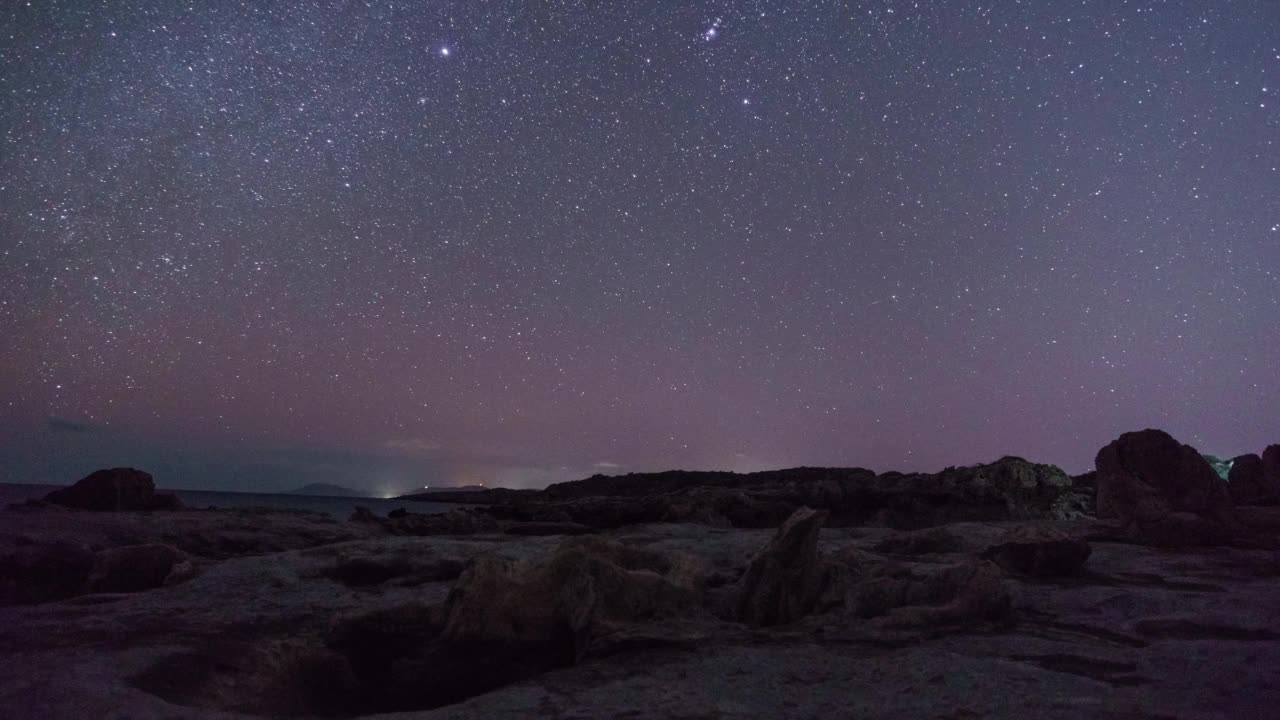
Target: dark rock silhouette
pixel 1010 488
pixel 1163 492
pixel 1250 484
pixel 115 489
pixel 1271 469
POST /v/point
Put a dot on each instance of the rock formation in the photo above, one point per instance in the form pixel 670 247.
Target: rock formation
pixel 505 620
pixel 785 579
pixel 1010 488
pixel 1271 469
pixel 55 571
pixel 1163 492
pixel 114 489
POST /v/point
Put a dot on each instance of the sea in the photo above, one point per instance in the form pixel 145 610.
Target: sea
pixel 338 507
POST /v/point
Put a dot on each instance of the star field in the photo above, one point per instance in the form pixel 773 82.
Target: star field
pixel 536 240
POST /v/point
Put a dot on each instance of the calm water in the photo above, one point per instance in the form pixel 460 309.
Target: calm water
pixel 339 507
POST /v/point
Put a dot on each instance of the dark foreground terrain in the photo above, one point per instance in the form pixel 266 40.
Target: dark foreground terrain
pixel 1149 589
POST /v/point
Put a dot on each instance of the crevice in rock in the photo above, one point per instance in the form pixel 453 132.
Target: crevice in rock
pixel 1116 674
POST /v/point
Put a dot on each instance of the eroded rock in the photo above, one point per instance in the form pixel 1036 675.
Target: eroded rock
pixel 784 580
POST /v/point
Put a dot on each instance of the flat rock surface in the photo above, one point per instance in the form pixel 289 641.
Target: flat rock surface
pixel 1138 633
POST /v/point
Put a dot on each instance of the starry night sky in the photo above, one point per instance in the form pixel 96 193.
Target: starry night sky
pixel 257 244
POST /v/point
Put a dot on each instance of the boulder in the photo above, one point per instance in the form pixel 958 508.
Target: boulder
pixel 555 609
pixel 1249 483
pixel 505 620
pixel 1271 467
pixel 785 578
pixel 893 595
pixel 133 568
pixel 114 489
pixel 1039 552
pixel 1145 477
pixel 41 573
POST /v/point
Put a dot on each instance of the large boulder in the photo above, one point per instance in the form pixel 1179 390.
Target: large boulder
pixel 966 594
pixel 1147 478
pixel 114 489
pixel 132 568
pixel 1039 551
pixel 506 619
pixel 1250 484
pixel 785 579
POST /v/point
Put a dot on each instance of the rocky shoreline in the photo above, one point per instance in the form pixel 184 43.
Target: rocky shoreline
pixel 1149 588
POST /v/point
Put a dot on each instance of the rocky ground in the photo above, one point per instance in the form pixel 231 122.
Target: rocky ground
pixel 223 614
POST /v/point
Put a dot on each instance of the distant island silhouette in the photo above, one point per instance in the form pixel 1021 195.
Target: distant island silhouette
pixel 329 490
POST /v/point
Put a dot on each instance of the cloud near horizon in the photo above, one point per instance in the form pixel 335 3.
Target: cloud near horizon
pixel 63 425
pixel 412 445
